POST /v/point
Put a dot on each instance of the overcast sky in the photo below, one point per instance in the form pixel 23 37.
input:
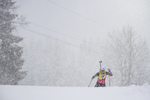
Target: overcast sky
pixel 87 19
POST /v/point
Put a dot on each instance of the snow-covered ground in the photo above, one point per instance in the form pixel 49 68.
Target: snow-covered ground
pixel 74 93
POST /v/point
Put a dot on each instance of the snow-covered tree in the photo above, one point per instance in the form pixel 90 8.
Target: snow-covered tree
pixel 128 54
pixel 10 53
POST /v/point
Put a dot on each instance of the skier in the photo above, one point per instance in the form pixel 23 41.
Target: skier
pixel 101 77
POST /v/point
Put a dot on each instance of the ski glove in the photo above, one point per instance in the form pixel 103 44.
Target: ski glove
pixel 109 70
pixel 93 77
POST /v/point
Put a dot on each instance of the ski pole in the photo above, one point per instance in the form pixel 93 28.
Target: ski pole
pixel 109 81
pixel 109 77
pixel 90 83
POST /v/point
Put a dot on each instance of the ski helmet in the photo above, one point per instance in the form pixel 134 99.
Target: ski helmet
pixel 102 68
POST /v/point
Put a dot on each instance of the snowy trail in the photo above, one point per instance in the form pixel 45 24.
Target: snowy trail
pixel 74 93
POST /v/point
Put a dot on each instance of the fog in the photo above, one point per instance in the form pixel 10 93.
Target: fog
pixel 74 27
pixel 88 19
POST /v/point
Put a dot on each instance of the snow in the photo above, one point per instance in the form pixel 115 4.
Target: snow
pixel 74 93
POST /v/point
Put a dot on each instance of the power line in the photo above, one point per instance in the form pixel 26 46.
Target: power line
pixel 76 13
pixel 63 34
pixel 62 41
pixel 56 32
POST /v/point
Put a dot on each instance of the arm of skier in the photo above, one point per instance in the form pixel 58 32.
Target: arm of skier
pixel 95 75
pixel 109 72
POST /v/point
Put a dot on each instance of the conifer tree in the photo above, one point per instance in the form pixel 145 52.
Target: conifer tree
pixel 10 52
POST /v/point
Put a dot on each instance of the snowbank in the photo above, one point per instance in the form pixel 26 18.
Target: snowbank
pixel 74 93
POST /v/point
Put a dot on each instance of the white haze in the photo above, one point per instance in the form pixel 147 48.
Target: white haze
pixel 65 25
